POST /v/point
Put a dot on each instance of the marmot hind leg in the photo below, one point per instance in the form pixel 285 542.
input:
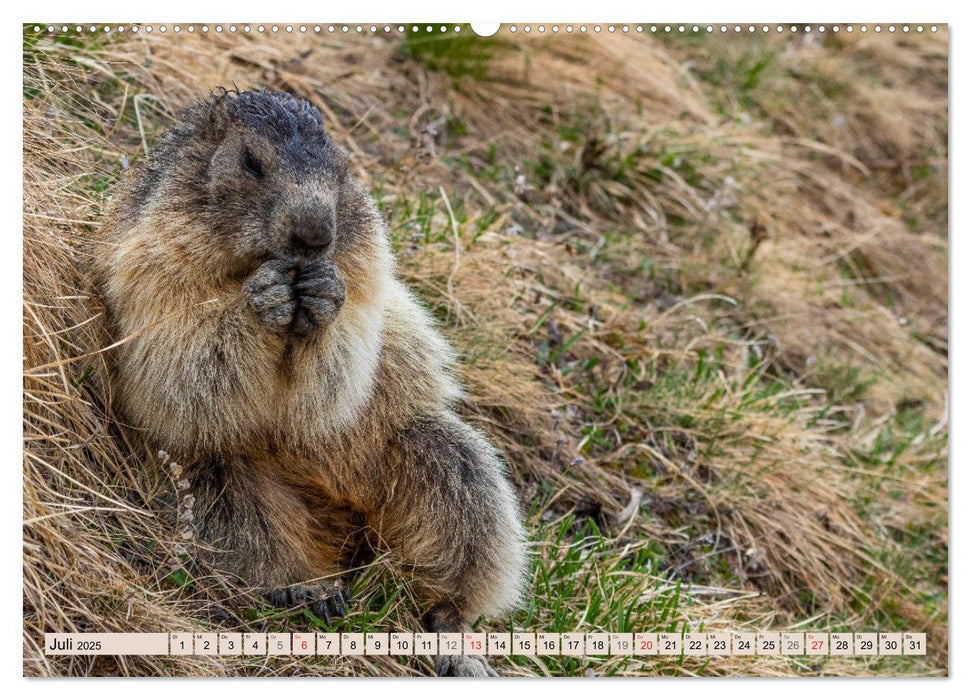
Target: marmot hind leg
pixel 257 526
pixel 450 517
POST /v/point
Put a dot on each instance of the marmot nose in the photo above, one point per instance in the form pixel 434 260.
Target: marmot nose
pixel 313 232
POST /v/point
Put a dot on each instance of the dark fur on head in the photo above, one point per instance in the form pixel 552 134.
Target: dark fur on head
pixel 279 113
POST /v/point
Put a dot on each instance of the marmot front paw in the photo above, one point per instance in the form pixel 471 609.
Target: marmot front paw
pixel 303 300
pixel 271 295
pixel 320 293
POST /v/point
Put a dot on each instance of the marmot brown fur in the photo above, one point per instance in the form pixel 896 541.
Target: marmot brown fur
pixel 271 349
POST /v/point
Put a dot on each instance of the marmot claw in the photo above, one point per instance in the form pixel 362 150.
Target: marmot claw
pixel 326 602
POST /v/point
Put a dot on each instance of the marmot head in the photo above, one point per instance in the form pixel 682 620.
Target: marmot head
pixel 247 176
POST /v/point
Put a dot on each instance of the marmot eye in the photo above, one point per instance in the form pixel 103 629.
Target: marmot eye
pixel 251 164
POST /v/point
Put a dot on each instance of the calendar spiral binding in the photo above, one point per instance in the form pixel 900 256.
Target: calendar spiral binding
pixel 715 29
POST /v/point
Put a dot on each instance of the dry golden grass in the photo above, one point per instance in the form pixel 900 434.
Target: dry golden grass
pixel 700 289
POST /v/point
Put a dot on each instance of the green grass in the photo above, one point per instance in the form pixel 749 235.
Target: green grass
pixel 458 55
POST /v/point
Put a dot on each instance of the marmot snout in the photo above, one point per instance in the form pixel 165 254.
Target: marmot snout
pixel 272 350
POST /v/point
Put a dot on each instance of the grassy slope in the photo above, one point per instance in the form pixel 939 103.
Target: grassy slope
pixel 700 289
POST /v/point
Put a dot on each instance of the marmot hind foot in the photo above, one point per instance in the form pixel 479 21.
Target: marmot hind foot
pixel 464 666
pixel 326 601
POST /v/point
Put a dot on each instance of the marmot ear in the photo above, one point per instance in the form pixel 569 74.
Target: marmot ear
pixel 225 162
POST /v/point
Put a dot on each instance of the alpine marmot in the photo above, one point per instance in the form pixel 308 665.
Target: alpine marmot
pixel 271 349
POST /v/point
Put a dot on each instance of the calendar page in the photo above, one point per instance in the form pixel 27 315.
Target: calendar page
pixel 556 349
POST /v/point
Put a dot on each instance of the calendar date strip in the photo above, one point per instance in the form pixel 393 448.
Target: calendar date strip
pixel 488 644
